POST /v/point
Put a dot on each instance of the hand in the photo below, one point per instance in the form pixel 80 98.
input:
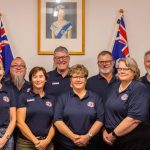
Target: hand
pixel 3 141
pixel 106 137
pixel 75 137
pixel 111 138
pixel 82 141
pixel 42 144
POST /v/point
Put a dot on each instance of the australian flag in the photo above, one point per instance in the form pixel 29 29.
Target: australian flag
pixel 5 51
pixel 120 48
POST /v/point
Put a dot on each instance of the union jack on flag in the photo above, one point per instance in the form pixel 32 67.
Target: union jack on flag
pixel 120 47
pixel 5 51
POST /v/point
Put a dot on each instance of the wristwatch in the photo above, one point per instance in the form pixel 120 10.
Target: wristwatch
pixel 114 134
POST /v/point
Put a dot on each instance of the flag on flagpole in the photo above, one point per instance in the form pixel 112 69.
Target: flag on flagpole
pixel 120 47
pixel 5 51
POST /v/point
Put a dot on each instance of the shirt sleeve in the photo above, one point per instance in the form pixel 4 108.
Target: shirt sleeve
pixel 22 102
pixel 12 98
pixel 99 109
pixel 138 107
pixel 59 109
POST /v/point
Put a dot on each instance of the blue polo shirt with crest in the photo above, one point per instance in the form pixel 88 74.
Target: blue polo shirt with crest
pixel 56 84
pixel 132 102
pixel 100 85
pixel 7 101
pixel 78 115
pixel 39 112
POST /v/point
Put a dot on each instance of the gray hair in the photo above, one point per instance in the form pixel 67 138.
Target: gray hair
pixel 132 64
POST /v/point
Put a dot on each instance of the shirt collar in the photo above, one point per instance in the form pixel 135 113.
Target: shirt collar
pixel 72 94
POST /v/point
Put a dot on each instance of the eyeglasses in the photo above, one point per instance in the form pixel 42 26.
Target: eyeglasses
pixel 61 57
pixel 18 66
pixel 78 77
pixel 105 62
pixel 123 69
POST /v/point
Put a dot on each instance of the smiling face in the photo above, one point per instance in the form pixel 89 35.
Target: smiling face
pixel 38 80
pixel 18 68
pixel 61 60
pixel 105 64
pixel 124 72
pixel 78 81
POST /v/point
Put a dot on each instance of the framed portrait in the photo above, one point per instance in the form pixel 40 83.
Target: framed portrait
pixel 61 23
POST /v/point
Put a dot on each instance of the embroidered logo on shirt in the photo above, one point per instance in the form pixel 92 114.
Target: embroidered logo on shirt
pixel 6 99
pixel 55 83
pixel 49 104
pixel 28 90
pixel 124 97
pixel 90 104
pixel 30 100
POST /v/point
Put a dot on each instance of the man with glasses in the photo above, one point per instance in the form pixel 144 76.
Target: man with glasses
pixel 102 82
pixel 17 81
pixel 58 79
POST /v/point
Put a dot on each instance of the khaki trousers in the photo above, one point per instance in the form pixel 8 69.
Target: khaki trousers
pixel 23 144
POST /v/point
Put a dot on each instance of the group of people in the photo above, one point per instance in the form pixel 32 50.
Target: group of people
pixel 65 110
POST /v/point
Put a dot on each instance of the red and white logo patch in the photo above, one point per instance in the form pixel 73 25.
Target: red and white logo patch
pixel 49 104
pixel 90 104
pixel 6 99
pixel 124 97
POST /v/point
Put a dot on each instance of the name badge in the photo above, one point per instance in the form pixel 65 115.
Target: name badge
pixel 55 83
pixel 30 100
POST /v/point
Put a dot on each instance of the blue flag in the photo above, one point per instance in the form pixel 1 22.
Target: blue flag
pixel 5 51
pixel 120 47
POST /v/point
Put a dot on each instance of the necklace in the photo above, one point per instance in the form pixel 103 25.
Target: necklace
pixel 123 87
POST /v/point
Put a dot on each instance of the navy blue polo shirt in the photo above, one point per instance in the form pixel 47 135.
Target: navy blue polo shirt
pixel 145 81
pixel 100 85
pixel 78 115
pixel 56 84
pixel 39 112
pixel 132 102
pixel 16 91
pixel 7 100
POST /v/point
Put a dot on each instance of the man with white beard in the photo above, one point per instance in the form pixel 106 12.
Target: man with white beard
pixel 102 82
pixel 17 80
pixel 146 78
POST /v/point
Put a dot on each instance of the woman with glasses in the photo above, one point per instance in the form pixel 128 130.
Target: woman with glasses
pixel 7 115
pixel 78 114
pixel 126 109
pixel 35 114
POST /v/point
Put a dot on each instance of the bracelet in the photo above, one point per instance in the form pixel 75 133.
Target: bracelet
pixel 90 135
pixel 114 134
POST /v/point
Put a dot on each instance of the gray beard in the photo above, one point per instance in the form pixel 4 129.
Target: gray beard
pixel 18 81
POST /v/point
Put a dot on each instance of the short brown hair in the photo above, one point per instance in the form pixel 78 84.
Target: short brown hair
pixel 102 53
pixel 79 68
pixel 35 70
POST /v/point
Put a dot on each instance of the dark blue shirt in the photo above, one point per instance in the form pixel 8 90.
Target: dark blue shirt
pixel 56 84
pixel 16 91
pixel 7 100
pixel 39 112
pixel 100 85
pixel 78 115
pixel 145 81
pixel 132 102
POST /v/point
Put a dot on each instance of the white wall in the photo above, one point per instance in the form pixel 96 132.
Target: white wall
pixel 20 20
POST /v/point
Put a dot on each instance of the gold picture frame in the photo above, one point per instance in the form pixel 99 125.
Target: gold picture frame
pixel 61 23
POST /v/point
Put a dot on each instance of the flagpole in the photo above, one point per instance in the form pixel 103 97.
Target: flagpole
pixel 121 12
